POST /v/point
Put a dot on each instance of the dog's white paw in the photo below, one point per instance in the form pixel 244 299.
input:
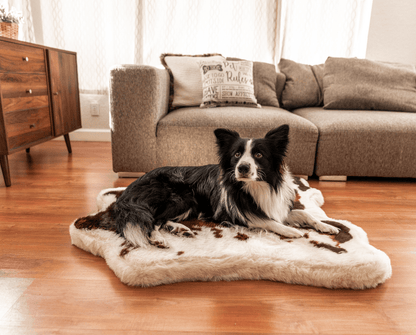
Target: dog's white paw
pixel 285 231
pixel 326 228
pixel 178 229
pixel 276 227
pixel 290 232
pixel 158 240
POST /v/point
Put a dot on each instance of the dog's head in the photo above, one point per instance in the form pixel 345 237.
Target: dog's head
pixel 249 160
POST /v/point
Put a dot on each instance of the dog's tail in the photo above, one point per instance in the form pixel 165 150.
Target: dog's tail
pixel 130 221
pixel 134 222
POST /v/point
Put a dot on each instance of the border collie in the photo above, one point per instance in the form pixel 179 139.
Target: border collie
pixel 250 187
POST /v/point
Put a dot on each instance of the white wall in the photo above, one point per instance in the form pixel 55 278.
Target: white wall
pixel 98 124
pixel 392 34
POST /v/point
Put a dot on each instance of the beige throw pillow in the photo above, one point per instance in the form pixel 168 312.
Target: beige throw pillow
pixel 185 78
pixel 228 83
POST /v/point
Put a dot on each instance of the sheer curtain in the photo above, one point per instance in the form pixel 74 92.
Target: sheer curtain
pixel 310 31
pixel 235 28
pixel 108 32
pixel 103 33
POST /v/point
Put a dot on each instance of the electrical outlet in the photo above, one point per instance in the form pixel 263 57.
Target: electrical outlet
pixel 95 109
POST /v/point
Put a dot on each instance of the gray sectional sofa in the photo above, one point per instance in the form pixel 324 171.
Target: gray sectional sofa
pixel 323 142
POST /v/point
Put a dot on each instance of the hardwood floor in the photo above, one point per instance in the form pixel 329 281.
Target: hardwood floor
pixel 48 286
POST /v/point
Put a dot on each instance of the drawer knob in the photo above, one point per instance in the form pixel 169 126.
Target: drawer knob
pixel 29 91
pixel 32 126
pixel 56 93
pixel 26 59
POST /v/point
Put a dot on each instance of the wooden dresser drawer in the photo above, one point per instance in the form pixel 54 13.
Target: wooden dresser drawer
pixel 27 126
pixel 21 58
pixel 23 91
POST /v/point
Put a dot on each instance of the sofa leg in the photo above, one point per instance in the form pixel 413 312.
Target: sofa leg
pixel 333 178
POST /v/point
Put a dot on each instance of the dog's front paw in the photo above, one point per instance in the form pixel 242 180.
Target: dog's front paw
pixel 285 231
pixel 178 229
pixel 291 232
pixel 326 228
pixel 158 240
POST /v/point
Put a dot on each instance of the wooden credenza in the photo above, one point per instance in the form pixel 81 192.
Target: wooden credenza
pixel 39 97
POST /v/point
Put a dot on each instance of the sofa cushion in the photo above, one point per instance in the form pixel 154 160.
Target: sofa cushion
pixel 228 83
pixel 352 83
pixel 185 78
pixel 303 86
pixel 268 83
pixel 364 143
pixel 190 132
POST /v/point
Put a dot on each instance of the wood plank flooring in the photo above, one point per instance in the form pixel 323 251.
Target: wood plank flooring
pixel 48 286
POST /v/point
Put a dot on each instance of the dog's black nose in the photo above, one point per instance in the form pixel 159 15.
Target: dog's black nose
pixel 244 168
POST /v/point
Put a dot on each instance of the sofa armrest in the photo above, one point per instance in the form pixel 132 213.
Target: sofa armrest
pixel 139 97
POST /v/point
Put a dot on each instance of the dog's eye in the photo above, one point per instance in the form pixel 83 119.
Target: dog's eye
pixel 237 155
pixel 258 155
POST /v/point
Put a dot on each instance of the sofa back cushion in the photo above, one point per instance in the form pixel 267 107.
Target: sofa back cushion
pixel 303 86
pixel 362 84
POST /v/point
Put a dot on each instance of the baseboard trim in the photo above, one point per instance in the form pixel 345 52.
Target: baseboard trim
pixel 89 135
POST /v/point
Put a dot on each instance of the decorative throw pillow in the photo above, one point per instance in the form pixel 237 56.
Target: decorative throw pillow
pixel 185 78
pixel 268 83
pixel 303 86
pixel 227 83
pixel 362 84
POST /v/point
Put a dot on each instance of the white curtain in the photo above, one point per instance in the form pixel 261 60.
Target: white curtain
pixel 108 32
pixel 312 30
pixel 234 28
pixel 103 33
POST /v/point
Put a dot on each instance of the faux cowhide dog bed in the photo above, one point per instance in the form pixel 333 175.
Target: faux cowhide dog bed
pixel 346 260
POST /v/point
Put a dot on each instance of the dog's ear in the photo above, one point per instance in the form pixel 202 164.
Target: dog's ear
pixel 280 133
pixel 280 136
pixel 225 136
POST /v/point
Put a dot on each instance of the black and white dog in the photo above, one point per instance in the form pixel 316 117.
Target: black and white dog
pixel 250 187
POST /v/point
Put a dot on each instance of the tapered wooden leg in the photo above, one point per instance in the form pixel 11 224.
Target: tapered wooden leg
pixel 4 161
pixel 68 143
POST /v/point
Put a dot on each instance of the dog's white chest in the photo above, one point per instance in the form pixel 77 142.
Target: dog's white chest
pixel 276 205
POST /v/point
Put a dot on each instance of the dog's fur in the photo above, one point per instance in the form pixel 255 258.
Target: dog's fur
pixel 250 187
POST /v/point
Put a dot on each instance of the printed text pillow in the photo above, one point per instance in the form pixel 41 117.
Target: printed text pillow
pixel 227 83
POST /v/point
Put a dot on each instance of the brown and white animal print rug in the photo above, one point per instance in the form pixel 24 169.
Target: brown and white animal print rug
pixel 345 260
